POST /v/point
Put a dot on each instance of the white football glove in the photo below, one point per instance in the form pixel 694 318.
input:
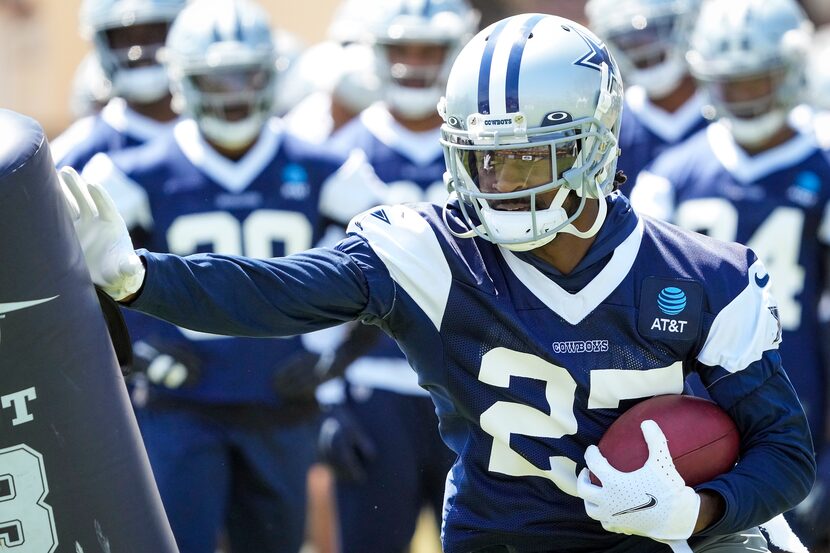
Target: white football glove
pixel 652 501
pixel 108 249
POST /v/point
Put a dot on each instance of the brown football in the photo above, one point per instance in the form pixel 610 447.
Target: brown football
pixel 703 440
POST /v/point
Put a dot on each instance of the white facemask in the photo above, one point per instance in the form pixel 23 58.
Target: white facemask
pixel 142 85
pixel 413 103
pixel 232 135
pixel 661 80
pixel 756 131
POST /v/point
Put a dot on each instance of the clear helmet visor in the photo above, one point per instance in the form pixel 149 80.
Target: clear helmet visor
pixel 521 169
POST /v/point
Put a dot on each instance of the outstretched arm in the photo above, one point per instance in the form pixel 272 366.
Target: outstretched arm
pixel 225 294
pixel 256 297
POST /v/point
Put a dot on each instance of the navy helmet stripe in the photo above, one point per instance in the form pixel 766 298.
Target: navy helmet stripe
pixel 484 70
pixel 514 62
pixel 427 6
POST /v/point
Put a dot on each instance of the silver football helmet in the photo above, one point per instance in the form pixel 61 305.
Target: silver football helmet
pixel 648 37
pixel 222 65
pixel 127 35
pixel 750 57
pixel 531 115
pixel 410 87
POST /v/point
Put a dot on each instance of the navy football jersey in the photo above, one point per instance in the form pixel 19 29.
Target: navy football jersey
pixel 412 166
pixel 646 130
pixel 273 201
pixel 115 128
pixel 775 202
pixel 524 373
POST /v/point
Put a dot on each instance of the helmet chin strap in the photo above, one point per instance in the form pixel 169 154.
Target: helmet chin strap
pixel 600 218
pixel 468 234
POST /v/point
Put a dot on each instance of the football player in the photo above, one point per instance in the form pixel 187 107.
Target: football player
pixel 751 177
pixel 383 437
pixel 226 449
pixel 529 307
pixel 127 36
pixel 662 104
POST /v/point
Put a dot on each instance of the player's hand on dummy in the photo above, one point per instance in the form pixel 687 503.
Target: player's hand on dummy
pixel 108 250
pixel 652 501
pixel 345 446
pixel 166 364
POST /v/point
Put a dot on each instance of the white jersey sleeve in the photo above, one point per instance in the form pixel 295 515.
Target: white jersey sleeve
pixel 353 188
pixel 747 327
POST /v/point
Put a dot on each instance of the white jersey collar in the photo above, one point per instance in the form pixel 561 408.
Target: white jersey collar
pixel 748 169
pixel 234 176
pixel 420 147
pixel 118 115
pixel 575 307
pixel 671 127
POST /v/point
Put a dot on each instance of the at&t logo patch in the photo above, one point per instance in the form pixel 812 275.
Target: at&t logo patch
pixel 670 308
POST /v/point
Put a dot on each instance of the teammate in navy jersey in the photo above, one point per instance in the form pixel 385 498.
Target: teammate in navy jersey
pixel 384 436
pixel 127 36
pixel 226 449
pixel 662 104
pixel 751 178
pixel 487 294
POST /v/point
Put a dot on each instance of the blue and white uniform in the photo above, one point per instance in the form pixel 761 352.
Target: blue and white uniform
pixel 229 426
pixel 274 201
pixel 527 367
pixel 115 128
pixel 384 397
pixel 646 130
pixel 776 203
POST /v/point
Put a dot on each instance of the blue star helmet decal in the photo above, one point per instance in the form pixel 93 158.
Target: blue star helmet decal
pixel 596 56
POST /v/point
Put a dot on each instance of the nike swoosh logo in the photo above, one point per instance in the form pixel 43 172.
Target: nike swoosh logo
pixel 647 505
pixel 18 305
pixel 762 281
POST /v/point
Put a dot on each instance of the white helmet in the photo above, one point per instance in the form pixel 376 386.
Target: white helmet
pixel 525 87
pixel 758 42
pixel 127 35
pixel 648 37
pixel 222 64
pixel 414 90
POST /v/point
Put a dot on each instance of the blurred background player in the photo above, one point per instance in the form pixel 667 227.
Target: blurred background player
pixel 662 104
pixel 389 460
pixel 127 36
pixel 91 89
pixel 751 177
pixel 342 82
pixel 338 76
pixel 226 450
